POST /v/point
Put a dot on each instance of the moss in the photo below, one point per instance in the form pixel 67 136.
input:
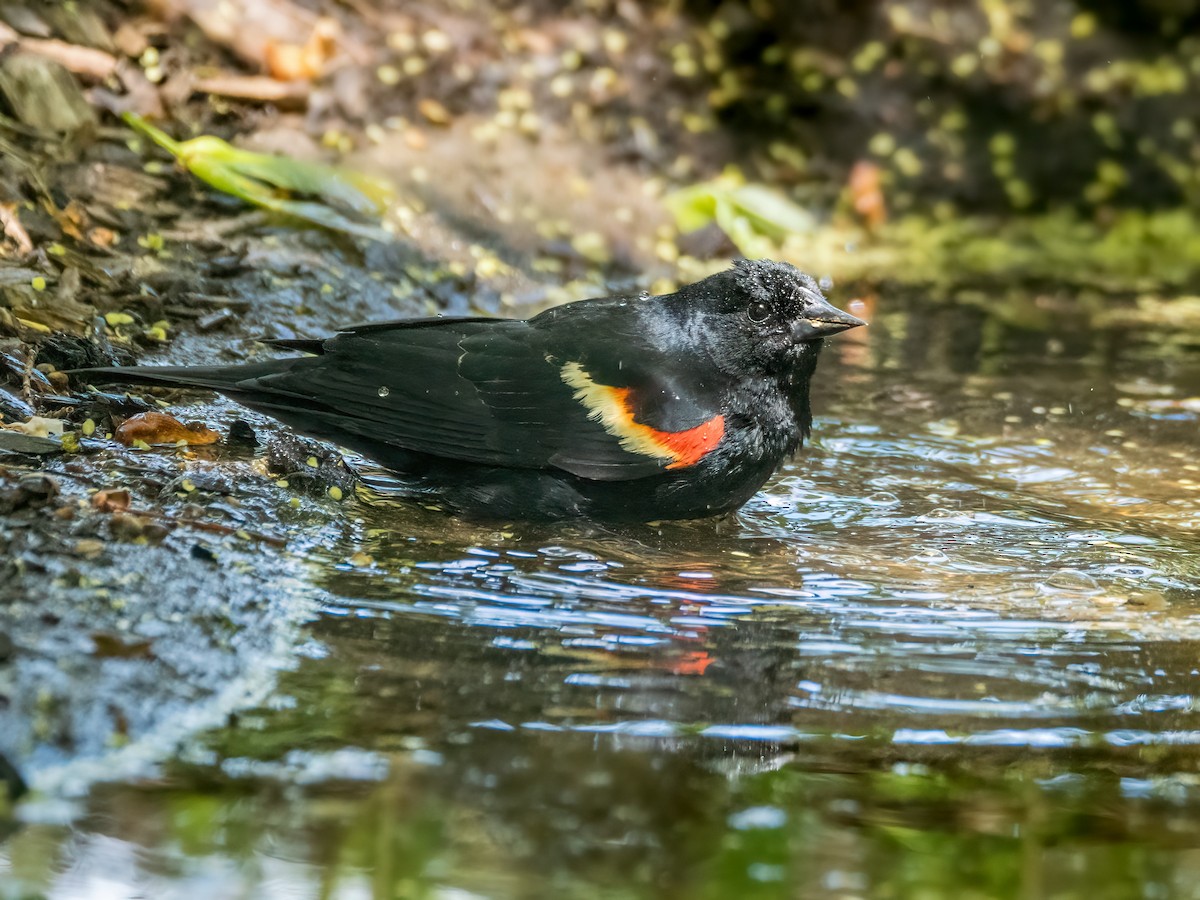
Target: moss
pixel 1135 252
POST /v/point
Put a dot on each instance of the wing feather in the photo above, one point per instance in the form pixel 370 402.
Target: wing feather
pixel 490 392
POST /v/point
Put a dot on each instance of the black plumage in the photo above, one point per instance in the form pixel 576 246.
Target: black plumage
pixel 621 408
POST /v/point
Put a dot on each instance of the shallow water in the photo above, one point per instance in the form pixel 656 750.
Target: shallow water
pixel 952 651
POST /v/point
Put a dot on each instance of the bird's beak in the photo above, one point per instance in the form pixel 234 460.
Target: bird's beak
pixel 823 320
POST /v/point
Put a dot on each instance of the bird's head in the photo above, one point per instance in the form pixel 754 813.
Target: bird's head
pixel 763 317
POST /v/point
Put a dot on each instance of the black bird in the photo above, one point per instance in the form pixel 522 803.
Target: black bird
pixel 625 408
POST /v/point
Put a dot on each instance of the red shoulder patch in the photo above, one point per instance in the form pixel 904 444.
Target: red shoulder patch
pixel 613 408
pixel 684 448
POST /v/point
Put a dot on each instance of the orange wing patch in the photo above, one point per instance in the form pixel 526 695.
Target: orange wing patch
pixel 611 407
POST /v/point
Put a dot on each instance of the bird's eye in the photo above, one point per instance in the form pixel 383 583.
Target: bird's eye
pixel 759 312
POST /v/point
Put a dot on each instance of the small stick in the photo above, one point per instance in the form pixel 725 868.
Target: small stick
pixel 86 61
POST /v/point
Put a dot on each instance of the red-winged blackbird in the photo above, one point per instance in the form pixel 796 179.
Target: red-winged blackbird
pixel 626 408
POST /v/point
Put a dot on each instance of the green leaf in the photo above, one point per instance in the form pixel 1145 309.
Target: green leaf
pixel 771 212
pixel 747 213
pixel 264 180
pixel 693 208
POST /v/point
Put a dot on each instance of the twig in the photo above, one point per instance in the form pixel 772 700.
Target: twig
pixel 27 376
pixel 86 61
pixel 255 87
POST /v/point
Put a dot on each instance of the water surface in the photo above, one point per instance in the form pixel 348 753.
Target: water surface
pixel 952 650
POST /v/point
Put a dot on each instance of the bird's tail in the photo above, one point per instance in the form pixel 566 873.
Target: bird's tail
pixel 224 379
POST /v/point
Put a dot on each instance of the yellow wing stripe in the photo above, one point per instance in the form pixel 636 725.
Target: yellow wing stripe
pixel 611 407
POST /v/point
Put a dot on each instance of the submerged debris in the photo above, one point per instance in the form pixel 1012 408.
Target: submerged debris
pixel 310 466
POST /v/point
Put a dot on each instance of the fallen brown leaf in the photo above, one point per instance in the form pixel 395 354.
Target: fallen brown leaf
pixel 161 428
